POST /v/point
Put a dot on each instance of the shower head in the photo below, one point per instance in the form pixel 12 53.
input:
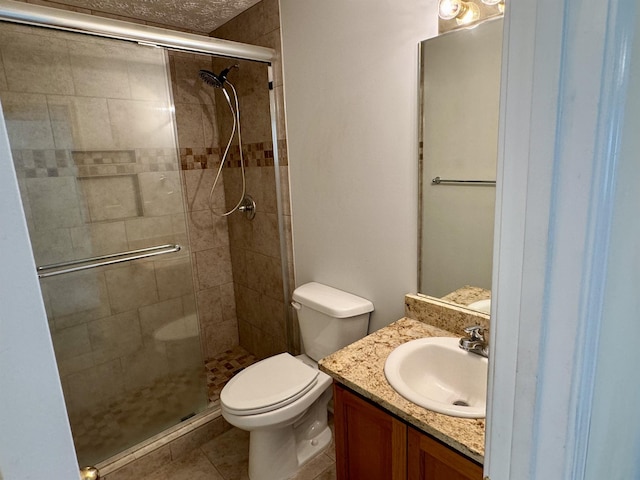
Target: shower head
pixel 216 81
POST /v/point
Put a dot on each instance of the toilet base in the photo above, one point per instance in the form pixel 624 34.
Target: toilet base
pixel 308 450
pixel 278 453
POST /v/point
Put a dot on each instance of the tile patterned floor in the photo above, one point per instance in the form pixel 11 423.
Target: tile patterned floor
pixel 226 458
pixel 222 367
pixel 223 458
pixel 111 428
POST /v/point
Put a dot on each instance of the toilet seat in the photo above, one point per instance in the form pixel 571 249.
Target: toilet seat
pixel 268 385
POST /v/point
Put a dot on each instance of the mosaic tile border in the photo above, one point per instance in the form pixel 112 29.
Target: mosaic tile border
pixel 45 163
pixel 199 158
pixel 259 154
pixel 255 155
pixel 103 157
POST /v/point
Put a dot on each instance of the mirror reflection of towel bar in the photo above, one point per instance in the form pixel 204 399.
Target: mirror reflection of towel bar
pixel 93 262
pixel 440 181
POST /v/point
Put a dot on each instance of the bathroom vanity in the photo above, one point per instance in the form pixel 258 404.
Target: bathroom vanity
pixel 380 434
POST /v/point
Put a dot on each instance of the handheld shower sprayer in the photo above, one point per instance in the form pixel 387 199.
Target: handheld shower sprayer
pixel 216 81
pixel 220 81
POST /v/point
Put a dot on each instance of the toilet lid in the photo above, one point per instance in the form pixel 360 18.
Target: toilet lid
pixel 269 384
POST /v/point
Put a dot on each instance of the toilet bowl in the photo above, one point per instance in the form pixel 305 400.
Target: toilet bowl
pixel 282 400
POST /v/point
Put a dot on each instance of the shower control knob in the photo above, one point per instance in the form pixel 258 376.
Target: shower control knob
pixel 248 207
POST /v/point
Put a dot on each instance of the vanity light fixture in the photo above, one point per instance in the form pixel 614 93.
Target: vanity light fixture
pixel 463 12
pixel 499 3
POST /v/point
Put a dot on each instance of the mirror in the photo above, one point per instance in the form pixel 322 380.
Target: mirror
pixel 460 89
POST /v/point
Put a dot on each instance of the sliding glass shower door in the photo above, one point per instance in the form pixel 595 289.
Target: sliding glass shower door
pixel 91 128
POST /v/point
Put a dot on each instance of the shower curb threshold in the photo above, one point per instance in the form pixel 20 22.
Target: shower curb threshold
pixel 165 437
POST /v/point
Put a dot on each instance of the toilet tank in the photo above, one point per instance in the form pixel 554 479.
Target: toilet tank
pixel 329 318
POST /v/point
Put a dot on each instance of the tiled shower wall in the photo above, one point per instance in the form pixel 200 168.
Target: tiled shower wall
pixel 93 144
pixel 257 298
pixel 109 160
pixel 255 247
pixel 198 140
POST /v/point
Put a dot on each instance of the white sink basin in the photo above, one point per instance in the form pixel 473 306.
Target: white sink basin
pixel 437 374
pixel 483 306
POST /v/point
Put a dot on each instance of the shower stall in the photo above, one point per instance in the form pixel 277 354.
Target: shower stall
pixel 153 300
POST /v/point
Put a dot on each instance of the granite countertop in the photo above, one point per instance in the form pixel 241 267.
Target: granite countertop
pixel 360 367
pixel 467 295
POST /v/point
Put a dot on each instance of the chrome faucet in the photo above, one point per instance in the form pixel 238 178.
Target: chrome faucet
pixel 475 342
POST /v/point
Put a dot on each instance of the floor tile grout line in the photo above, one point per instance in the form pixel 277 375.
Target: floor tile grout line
pixel 212 464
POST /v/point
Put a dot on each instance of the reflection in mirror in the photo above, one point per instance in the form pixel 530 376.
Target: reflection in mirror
pixel 460 74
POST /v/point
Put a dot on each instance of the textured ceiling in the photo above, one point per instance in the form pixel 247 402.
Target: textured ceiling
pixel 198 15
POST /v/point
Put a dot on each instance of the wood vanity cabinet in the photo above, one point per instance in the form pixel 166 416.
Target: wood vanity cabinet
pixel 429 459
pixel 371 444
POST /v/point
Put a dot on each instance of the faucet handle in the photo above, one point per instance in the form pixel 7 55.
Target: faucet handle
pixel 476 332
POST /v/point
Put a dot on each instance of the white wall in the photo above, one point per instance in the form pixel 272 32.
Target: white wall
pixel 35 439
pixel 350 78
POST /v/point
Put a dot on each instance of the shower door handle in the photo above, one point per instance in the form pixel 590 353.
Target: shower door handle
pixel 101 261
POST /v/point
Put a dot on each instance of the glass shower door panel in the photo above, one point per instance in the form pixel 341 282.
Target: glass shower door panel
pixel 93 140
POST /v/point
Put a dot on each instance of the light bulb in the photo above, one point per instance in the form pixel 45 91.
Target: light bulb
pixel 498 3
pixel 463 12
pixel 450 9
pixel 471 14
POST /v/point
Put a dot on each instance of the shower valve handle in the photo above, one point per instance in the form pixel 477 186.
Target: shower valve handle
pixel 248 207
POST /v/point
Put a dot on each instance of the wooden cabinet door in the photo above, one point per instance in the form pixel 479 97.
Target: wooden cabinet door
pixel 370 443
pixel 428 459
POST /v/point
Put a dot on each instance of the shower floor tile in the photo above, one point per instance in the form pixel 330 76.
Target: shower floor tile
pixel 222 367
pixel 101 433
pixel 226 456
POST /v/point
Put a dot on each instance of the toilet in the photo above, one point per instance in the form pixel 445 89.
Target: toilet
pixel 282 400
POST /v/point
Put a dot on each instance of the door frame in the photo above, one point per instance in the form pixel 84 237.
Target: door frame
pixel 563 91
